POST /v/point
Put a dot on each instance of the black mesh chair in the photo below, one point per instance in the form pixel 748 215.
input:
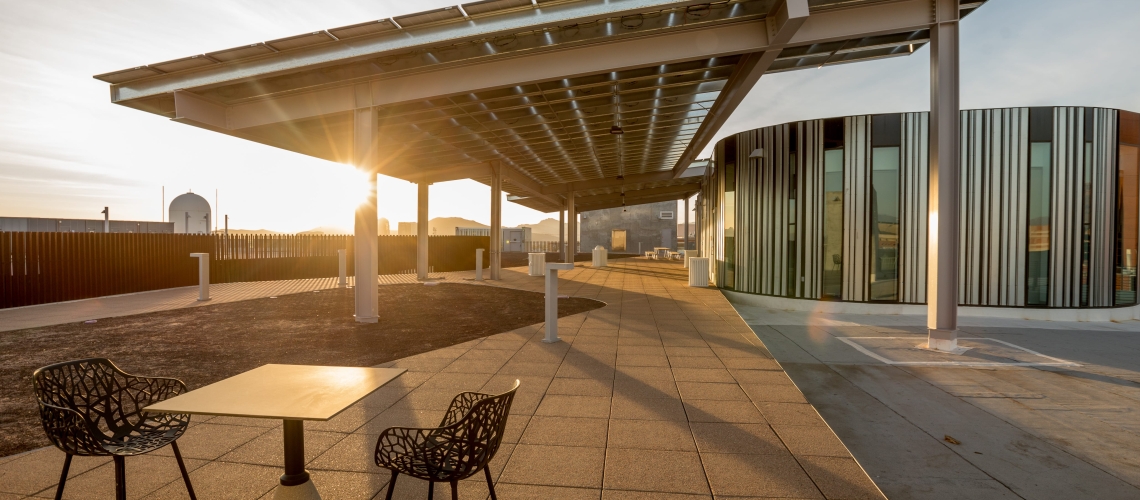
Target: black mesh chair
pixel 90 407
pixel 465 442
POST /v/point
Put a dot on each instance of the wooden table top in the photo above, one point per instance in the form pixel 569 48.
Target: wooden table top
pixel 288 392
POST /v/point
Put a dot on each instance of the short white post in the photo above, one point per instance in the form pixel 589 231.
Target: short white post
pixel 552 299
pixel 537 263
pixel 478 264
pixel 342 260
pixel 601 256
pixel 203 275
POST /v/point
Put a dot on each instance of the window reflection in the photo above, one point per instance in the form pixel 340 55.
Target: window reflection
pixel 730 213
pixel 886 137
pixel 1040 170
pixel 1127 208
pixel 832 276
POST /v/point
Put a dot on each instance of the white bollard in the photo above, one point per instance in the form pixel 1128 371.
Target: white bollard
pixel 478 264
pixel 203 275
pixel 342 259
pixel 552 299
pixel 601 256
pixel 537 263
pixel 699 271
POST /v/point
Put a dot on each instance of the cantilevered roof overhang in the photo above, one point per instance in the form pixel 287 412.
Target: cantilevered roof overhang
pixel 536 86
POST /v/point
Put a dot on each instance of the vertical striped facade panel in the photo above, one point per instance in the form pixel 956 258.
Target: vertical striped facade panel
pixel 810 208
pixel 1066 221
pixel 992 207
pixel 856 207
pixel 913 206
pixel 1103 204
pixel 763 189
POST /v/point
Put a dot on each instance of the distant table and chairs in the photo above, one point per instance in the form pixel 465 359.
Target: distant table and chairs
pixel 91 407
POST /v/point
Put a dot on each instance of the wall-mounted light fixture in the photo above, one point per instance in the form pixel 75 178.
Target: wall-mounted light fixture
pixel 757 153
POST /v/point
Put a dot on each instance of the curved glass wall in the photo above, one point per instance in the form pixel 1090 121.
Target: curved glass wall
pixel 835 209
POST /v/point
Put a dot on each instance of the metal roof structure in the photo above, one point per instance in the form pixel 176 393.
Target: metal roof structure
pixel 606 100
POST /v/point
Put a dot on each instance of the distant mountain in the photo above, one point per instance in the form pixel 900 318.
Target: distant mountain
pixel 326 230
pixel 249 231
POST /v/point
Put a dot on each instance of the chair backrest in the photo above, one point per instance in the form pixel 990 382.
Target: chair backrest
pixel 480 432
pixel 95 388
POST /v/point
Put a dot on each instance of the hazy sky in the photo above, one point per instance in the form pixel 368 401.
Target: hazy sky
pixel 66 151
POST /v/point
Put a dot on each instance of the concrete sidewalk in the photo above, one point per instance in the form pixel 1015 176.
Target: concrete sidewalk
pixel 664 393
pixel 1021 422
pixel 74 311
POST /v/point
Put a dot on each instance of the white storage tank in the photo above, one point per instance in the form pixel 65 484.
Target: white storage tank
pixel 190 214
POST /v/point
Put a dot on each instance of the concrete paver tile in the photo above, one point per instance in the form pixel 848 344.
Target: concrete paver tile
pixel 840 478
pixel 574 406
pixel 555 466
pixel 536 492
pixel 754 439
pixel 348 420
pixel 224 481
pixel 38 469
pixel 566 431
pixel 521 368
pixel 709 390
pixel 775 394
pixel 688 351
pixel 668 435
pixel 789 413
pixel 402 417
pixel 356 452
pixel 718 375
pixel 267 449
pixel 642 360
pixel 776 475
pixel 145 474
pixel 713 410
pixel 634 408
pixel 650 495
pixel 752 363
pixel 341 485
pixel 654 470
pixel 210 441
pixel 811 440
pixel 696 362
pixel 456 382
pixel 581 387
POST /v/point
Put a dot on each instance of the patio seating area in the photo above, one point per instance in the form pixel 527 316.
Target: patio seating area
pixel 663 393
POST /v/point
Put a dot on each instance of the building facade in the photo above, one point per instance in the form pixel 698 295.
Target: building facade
pixel 45 225
pixel 633 229
pixel 836 209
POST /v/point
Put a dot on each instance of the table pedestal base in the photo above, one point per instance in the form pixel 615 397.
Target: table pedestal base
pixel 303 491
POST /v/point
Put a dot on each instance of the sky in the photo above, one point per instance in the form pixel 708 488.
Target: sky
pixel 66 151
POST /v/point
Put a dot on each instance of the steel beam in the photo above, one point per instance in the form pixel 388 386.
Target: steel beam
pixel 781 25
pixel 635 201
pixel 942 261
pixel 640 193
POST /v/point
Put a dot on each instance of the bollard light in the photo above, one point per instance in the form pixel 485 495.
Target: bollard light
pixel 552 299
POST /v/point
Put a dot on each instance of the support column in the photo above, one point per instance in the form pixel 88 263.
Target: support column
pixel 366 225
pixel 942 263
pixel 571 228
pixel 496 219
pixel 686 223
pixel 562 235
pixel 422 232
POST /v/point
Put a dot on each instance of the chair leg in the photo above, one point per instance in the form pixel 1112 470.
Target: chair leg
pixel 490 485
pixel 63 477
pixel 431 490
pixel 120 478
pixel 182 467
pixel 391 485
pixel 455 490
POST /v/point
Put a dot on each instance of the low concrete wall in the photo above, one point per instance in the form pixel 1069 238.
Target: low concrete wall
pixel 830 307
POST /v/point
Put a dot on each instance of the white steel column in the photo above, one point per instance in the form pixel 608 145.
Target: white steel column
pixel 686 223
pixel 365 242
pixel 422 232
pixel 496 219
pixel 562 235
pixel 942 273
pixel 571 228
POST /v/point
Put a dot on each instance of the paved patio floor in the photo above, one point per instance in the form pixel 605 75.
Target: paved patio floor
pixel 1023 423
pixel 665 393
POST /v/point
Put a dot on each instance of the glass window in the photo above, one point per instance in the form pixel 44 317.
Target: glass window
pixel 884 223
pixel 1040 168
pixel 1086 208
pixel 832 224
pixel 1128 215
pixel 730 214
pixel 792 277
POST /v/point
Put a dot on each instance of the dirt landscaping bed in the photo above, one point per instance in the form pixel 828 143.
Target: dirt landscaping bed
pixel 202 345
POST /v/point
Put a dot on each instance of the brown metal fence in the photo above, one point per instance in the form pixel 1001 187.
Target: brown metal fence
pixel 39 268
